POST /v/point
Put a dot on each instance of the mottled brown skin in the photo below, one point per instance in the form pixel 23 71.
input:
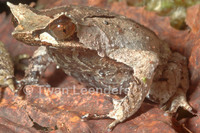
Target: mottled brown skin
pixel 6 69
pixel 104 50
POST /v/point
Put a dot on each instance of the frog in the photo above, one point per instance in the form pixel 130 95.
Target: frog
pixel 6 69
pixel 106 50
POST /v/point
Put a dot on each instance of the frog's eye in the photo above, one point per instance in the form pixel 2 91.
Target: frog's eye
pixel 62 28
pixel 14 21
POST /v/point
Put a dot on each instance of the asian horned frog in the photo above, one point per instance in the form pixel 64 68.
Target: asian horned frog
pixel 104 50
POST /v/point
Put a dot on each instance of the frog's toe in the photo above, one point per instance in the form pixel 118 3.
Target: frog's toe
pixel 112 125
pixel 103 116
pixel 10 83
pixel 178 100
pixel 20 85
pixel 26 81
pixel 172 106
pixel 94 116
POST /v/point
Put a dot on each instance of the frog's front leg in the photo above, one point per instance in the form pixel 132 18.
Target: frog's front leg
pixel 170 86
pixel 138 87
pixel 127 106
pixel 38 64
pixel 124 108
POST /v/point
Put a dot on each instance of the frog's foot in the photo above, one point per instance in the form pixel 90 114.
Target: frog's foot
pixel 26 81
pixel 37 66
pixel 104 116
pixel 123 108
pixel 9 81
pixel 29 81
pixel 118 114
pixel 94 116
pixel 178 100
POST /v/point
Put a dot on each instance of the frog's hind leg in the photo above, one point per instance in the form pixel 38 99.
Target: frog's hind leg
pixel 179 99
pixel 170 88
pixel 38 64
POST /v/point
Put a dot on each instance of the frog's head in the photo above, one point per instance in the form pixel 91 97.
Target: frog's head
pixel 35 28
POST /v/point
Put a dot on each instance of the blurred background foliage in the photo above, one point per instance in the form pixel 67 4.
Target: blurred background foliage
pixel 175 9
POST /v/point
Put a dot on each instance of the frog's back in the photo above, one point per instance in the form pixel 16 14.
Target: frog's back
pixel 118 32
pixel 101 30
pixel 98 26
pixel 77 12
